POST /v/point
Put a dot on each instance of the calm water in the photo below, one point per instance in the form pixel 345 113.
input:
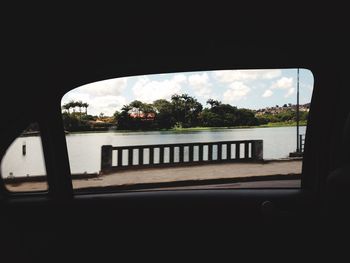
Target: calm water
pixel 85 149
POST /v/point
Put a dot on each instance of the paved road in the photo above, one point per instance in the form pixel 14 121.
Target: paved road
pixel 192 173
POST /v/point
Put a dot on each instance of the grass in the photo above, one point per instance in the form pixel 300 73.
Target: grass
pixel 180 129
pixel 270 124
pixel 283 124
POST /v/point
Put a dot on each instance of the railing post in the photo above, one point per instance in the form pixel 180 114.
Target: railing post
pixel 246 150
pixel 140 156
pixel 257 150
pixel 120 157
pixel 161 154
pixel 171 154
pixel 190 153
pixel 219 156
pixel 228 151
pixel 238 150
pixel 210 152
pixel 130 156
pixel 181 154
pixel 106 157
pixel 301 143
pixel 200 153
pixel 151 155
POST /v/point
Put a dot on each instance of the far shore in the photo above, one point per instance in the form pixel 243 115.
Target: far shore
pixel 269 125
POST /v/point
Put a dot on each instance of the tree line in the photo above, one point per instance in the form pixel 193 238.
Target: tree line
pixel 181 111
pixel 286 116
pixel 75 104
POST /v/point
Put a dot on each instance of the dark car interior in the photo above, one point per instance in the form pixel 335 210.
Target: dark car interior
pixel 60 225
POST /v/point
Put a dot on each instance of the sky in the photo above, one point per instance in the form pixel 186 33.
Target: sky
pixel 251 89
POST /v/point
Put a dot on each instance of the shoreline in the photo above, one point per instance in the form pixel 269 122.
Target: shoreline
pixel 191 129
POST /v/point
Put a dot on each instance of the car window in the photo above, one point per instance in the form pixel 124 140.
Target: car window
pixel 211 129
pixel 197 130
pixel 23 166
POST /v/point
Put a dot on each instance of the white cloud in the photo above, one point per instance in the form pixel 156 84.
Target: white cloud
pixel 227 76
pixel 102 96
pixel 236 91
pixel 149 91
pixel 267 93
pixel 284 83
pixel 179 78
pixel 201 85
pixel 289 92
pixel 106 104
pixel 113 87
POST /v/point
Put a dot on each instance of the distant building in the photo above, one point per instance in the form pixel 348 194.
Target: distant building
pixel 147 117
pixel 277 110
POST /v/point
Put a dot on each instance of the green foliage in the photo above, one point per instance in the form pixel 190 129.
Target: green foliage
pixel 246 117
pixel 73 123
pixel 210 119
pixel 182 111
pixel 225 115
pixel 186 110
pixel 164 114
pixel 75 104
pixel 287 116
pixel 80 120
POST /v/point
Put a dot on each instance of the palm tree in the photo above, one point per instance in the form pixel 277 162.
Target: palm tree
pixel 85 105
pixel 66 107
pixel 147 110
pixel 213 103
pixel 126 108
pixel 80 105
pixel 137 105
pixel 72 104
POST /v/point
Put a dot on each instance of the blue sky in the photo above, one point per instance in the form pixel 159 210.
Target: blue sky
pixel 252 89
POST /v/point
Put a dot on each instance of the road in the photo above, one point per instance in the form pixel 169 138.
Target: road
pixel 234 175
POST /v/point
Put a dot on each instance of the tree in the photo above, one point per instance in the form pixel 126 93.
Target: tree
pixel 161 105
pixel 116 116
pixel 72 104
pixel 213 103
pixel 136 105
pixel 246 117
pixel 85 105
pixel 186 110
pixel 227 114
pixel 124 119
pixel 72 123
pixel 79 104
pixel 164 114
pixel 66 107
pixel 177 108
pixel 210 119
pixel 147 109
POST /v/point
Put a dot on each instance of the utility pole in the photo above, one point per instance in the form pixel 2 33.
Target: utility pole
pixel 298 143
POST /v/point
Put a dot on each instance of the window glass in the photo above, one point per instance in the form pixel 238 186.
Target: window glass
pixel 23 165
pixel 211 129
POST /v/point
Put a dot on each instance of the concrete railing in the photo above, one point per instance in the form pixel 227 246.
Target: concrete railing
pixel 179 154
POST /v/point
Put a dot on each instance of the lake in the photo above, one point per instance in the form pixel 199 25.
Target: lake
pixel 84 149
